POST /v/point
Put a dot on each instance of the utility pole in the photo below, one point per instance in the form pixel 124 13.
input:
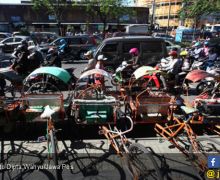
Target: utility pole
pixel 168 23
pixel 153 12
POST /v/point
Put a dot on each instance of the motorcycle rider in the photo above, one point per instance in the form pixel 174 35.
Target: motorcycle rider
pixel 212 57
pixel 185 61
pixel 198 51
pixel 91 65
pixel 99 79
pixel 22 63
pixel 35 58
pixel 91 61
pixel 206 48
pixel 173 67
pixel 135 60
pixel 17 51
pixel 63 46
pixel 54 58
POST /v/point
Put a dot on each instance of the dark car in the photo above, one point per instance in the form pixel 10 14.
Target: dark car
pixel 77 45
pixel 9 44
pixel 43 37
pixel 116 50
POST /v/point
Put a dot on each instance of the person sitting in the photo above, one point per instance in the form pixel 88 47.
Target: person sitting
pixel 198 51
pixel 91 65
pixel 35 58
pixel 185 61
pixel 54 58
pixel 206 48
pixel 17 51
pixel 91 61
pixel 63 46
pixel 174 67
pixel 135 60
pixel 99 79
pixel 22 63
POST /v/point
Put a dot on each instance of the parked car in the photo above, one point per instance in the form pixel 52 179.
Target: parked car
pixel 43 37
pixel 4 35
pixel 116 50
pixel 77 44
pixel 163 36
pixel 9 44
pixel 170 45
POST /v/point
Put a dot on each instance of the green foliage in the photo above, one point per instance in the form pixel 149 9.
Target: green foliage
pixel 52 7
pixel 107 9
pixel 196 8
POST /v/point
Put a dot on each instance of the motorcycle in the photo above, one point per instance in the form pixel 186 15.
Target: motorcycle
pixel 122 74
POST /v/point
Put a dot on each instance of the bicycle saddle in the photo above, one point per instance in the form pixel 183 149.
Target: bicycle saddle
pixel 48 112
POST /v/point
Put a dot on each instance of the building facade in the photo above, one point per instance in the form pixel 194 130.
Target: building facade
pixel 163 12
pixel 14 16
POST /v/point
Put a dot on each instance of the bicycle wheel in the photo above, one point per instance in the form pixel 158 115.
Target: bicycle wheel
pixel 52 149
pixel 199 154
pixel 142 163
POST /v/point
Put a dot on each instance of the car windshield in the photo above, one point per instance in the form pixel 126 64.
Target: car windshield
pixel 217 28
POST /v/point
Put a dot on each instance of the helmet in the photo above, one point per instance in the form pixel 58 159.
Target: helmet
pixel 206 43
pixel 197 44
pixel 134 51
pixel 51 51
pixel 184 53
pixel 32 48
pixel 88 53
pixel 24 42
pixel 173 53
pixel 62 41
pixel 22 48
pixel 124 63
pixel 101 58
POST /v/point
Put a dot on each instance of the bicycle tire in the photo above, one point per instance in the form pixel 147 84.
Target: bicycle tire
pixel 54 151
pixel 198 159
pixel 138 167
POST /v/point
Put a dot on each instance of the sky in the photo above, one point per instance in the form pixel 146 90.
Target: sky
pixel 10 1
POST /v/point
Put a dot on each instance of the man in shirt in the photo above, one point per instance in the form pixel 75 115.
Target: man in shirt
pixel 174 66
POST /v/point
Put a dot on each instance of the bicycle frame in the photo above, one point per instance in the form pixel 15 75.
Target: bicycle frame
pixel 112 135
pixel 172 133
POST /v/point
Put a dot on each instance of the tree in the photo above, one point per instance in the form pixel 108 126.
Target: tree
pixel 197 8
pixel 107 9
pixel 52 7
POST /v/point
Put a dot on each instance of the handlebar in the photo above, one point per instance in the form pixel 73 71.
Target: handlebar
pixel 117 133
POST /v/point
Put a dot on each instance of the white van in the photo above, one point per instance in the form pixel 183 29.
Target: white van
pixel 138 29
pixel 213 28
